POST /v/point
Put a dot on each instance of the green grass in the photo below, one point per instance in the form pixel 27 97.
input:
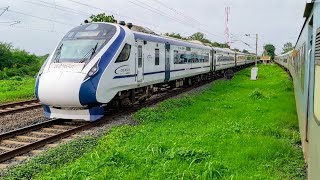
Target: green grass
pixel 53 158
pixel 237 129
pixel 16 89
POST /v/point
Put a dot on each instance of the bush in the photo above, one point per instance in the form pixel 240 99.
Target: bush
pixel 16 62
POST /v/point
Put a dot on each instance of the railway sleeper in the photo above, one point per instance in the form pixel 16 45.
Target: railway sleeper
pixel 11 142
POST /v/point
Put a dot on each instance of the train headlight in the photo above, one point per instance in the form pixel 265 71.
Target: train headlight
pixel 93 71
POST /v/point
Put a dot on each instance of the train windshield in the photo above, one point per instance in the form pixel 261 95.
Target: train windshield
pixel 82 43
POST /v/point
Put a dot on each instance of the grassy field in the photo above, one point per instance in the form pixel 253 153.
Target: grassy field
pixel 237 129
pixel 16 89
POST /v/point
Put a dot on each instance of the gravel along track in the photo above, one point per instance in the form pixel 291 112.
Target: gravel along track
pixel 21 119
pixel 10 108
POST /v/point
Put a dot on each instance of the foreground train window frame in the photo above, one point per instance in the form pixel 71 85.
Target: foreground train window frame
pixel 124 54
pixel 316 93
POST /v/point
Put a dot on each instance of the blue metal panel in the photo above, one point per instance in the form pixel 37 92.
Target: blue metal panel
pixel 167 63
pixel 88 89
pixel 156 72
pixel 47 111
pixel 36 90
pixel 96 113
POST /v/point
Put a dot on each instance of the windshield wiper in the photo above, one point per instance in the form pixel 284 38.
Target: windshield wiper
pixel 92 51
pixel 58 54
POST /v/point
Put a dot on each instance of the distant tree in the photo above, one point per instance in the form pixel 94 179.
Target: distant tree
pixel 215 44
pixel 16 62
pixel 245 51
pixel 270 50
pixel 5 55
pixel 102 17
pixel 236 50
pixel 287 47
pixel 220 45
pixel 199 36
pixel 175 35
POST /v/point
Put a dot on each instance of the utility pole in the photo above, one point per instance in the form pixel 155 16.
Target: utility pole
pixel 6 9
pixel 254 71
pixel 227 30
pixel 256 63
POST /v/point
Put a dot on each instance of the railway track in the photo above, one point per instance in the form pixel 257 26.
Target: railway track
pixel 15 143
pixel 19 106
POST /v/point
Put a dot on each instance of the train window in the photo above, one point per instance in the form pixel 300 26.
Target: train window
pixel 206 58
pixel 139 56
pixel 125 53
pixel 188 49
pixel 157 57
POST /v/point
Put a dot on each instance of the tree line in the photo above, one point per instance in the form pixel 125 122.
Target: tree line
pixel 16 62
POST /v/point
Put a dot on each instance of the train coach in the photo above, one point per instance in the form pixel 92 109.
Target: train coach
pixel 104 64
pixel 303 63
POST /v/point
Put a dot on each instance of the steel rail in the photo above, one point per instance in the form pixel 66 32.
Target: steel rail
pixel 19 106
pixel 24 149
pixel 30 128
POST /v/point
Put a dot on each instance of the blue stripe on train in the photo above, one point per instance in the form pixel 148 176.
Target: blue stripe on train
pixel 88 89
pixel 151 73
pixel 36 90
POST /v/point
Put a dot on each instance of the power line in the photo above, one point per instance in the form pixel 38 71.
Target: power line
pixel 41 18
pixel 160 12
pixel 239 39
pixel 11 23
pixel 176 11
pixel 150 8
pixel 113 13
pixel 182 14
pixel 35 29
pixel 5 9
pixel 183 22
pixel 61 8
pixel 8 22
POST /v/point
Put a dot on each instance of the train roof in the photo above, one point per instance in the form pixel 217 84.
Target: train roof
pixel 179 42
pixel 306 14
pixel 162 39
pixel 285 54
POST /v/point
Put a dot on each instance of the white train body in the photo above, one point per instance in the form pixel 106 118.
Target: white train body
pixel 94 63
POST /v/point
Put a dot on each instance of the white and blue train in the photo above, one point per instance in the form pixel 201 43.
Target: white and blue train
pixel 103 64
pixel 303 63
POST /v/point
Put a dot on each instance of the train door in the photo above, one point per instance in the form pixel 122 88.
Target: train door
pixel 167 62
pixel 211 61
pixel 235 59
pixel 214 60
pixel 308 48
pixel 140 64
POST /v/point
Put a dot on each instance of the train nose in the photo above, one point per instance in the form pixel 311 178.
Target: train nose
pixel 60 89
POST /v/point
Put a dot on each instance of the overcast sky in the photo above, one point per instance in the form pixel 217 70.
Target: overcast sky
pixel 276 21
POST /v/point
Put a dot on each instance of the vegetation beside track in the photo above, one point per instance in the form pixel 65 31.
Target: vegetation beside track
pixel 18 69
pixel 17 89
pixel 237 129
